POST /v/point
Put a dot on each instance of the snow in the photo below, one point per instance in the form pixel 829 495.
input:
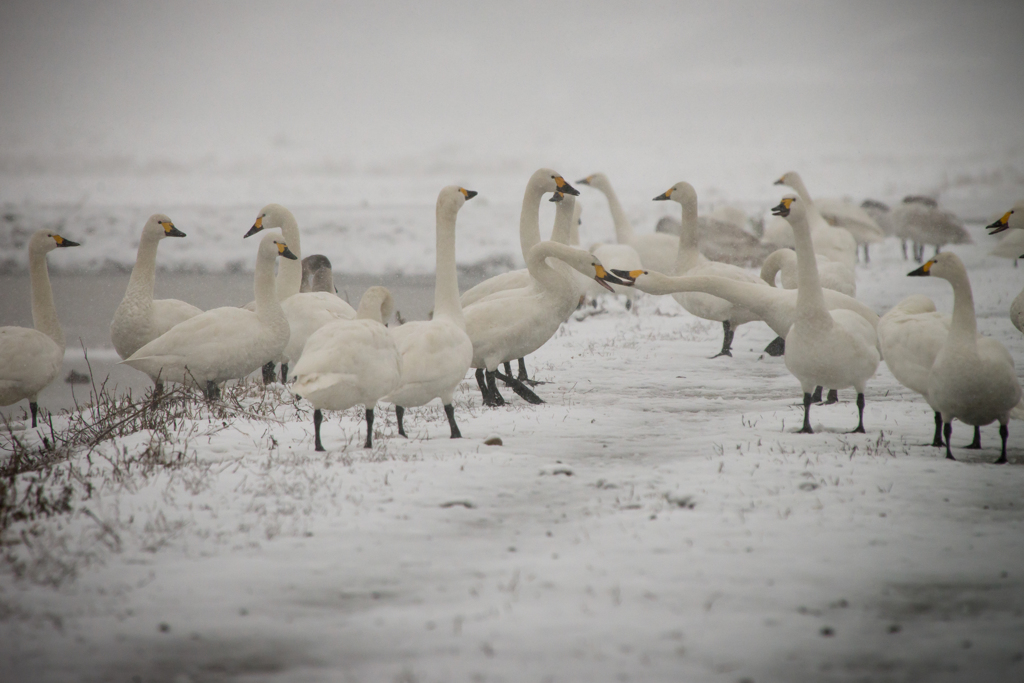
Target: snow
pixel 656 519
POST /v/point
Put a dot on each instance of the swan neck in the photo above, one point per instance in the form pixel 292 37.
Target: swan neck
pixel 562 231
pixel 142 281
pixel 446 279
pixel 268 307
pixel 623 229
pixel 529 219
pixel 771 267
pixel 688 254
pixel 810 300
pixel 44 314
pixel 963 329
pixel 289 272
pixel 541 270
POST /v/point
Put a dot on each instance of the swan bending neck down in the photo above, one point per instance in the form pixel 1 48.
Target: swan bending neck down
pixel 833 275
pixel 436 353
pixel 139 319
pixel 834 349
pixel 350 362
pixel 223 343
pixel 514 323
pixel 973 378
pixel 31 358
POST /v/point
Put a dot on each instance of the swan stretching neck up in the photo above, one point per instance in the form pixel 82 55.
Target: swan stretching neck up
pixel 835 243
pixel 139 319
pixel 973 379
pixel 31 358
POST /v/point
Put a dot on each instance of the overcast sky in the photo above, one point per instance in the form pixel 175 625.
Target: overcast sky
pixel 360 80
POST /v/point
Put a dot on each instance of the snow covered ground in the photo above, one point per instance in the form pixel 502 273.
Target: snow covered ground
pixel 656 519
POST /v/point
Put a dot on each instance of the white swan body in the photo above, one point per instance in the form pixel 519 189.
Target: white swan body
pixel 351 362
pixel 223 343
pixel 657 250
pixel 31 358
pixel 436 353
pixel 514 323
pixel 689 261
pixel 911 335
pixel 139 319
pixel 925 223
pixel 973 378
pixel 835 349
pixel 880 214
pixel 543 180
pixel 833 275
pixel 835 243
pixel 776 307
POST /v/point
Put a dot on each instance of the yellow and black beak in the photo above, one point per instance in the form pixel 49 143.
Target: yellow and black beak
pixel 585 181
pixel 667 194
pixel 170 230
pixel 469 194
pixel 603 277
pixel 564 187
pixel 61 242
pixel 256 227
pixel 557 197
pixel 1001 224
pixel 923 270
pixel 783 208
pixel 284 251
pixel 780 181
pixel 629 276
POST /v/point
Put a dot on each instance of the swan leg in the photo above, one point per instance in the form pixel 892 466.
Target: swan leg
pixel 1003 433
pixel 867 256
pixel 976 444
pixel 807 415
pixel 937 248
pixel 494 397
pixel 318 417
pixel 268 373
pixel 776 348
pixel 726 340
pixel 449 410
pixel 816 396
pixel 937 440
pixel 212 390
pixel 482 383
pixel 522 391
pixel 369 428
pixel 860 414
pixel 947 430
pixel 284 373
pixel 399 414
pixel 508 369
pixel 833 397
pixel 522 376
pixel 904 242
pixel 34 408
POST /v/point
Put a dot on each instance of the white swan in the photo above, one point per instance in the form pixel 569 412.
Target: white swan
pixel 436 353
pixel 350 362
pixel 835 243
pixel 689 261
pixel 139 319
pixel 851 218
pixel 317 275
pixel 657 250
pixel 222 343
pixel 514 323
pixel 920 220
pixel 31 358
pixel 973 379
pixel 835 349
pixel 1014 218
pixel 833 275
pixel 880 214
pixel 306 311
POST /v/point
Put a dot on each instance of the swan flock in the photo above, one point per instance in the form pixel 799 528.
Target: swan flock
pixel 333 356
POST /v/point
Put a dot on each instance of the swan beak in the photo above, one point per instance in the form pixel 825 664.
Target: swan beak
pixel 1001 224
pixel 783 208
pixel 469 194
pixel 557 197
pixel 256 227
pixel 780 181
pixel 284 251
pixel 172 231
pixel 629 275
pixel 585 181
pixel 923 270
pixel 565 188
pixel 603 277
pixel 62 242
pixel 667 194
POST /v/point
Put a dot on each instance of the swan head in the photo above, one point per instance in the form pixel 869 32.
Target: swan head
pixel 376 304
pixel 789 178
pixel 274 246
pixel 547 180
pixel 452 197
pixel 270 216
pixel 45 241
pixel 946 265
pixel 790 206
pixel 681 192
pixel 1014 218
pixel 598 181
pixel 160 226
